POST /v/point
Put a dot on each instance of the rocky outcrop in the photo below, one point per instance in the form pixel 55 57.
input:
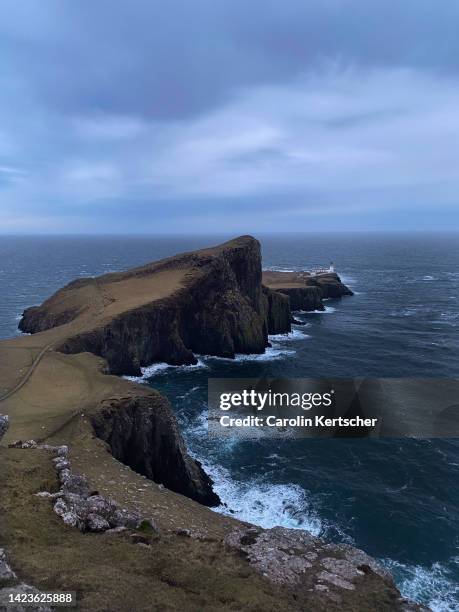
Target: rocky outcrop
pixel 337 573
pixel 218 308
pixel 304 298
pixel 277 305
pixel 142 432
pixel 306 291
pixel 6 573
pixel 330 285
pixel 10 588
pixel 22 590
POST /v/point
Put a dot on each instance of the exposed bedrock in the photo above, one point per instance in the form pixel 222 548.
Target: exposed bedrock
pixel 142 432
pixel 304 298
pixel 340 576
pixel 277 311
pixel 307 293
pixel 330 285
pixel 219 308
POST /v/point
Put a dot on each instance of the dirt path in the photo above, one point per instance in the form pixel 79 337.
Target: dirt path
pixel 28 374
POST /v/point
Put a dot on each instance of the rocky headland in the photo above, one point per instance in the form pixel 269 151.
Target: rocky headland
pixel 130 529
pixel 306 291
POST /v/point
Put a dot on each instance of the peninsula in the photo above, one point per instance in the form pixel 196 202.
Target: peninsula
pixel 61 389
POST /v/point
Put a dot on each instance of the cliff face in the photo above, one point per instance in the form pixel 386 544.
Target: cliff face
pixel 215 305
pixel 304 298
pixel 142 432
pixel 278 308
pixel 331 286
pixel 306 292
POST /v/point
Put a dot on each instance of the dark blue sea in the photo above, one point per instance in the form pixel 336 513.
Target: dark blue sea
pixel 397 500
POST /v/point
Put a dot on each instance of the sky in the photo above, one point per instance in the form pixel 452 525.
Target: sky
pixel 228 116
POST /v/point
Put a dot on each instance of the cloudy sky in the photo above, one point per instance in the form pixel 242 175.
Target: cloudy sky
pixel 228 115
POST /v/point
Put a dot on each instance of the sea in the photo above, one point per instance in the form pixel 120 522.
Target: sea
pixel 396 499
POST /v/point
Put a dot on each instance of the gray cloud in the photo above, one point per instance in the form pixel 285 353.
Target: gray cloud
pixel 190 111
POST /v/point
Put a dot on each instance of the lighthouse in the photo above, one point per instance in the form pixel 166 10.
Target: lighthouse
pixel 331 267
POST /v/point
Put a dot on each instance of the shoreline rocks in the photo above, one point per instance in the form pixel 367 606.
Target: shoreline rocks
pixel 306 292
pixel 142 432
pixel 297 559
pixel 218 308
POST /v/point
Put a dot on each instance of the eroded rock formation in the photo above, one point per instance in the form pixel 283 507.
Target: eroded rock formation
pixel 306 291
pixel 143 433
pixel 334 572
pixel 206 302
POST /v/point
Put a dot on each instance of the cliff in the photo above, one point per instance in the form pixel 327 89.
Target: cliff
pixel 206 302
pixel 306 291
pixel 123 443
pixel 142 432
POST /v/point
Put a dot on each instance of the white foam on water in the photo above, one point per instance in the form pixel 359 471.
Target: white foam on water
pixel 328 310
pixel 346 280
pixel 278 269
pixel 428 278
pixel 295 334
pixel 264 504
pixel 271 353
pixel 434 586
pixel 159 368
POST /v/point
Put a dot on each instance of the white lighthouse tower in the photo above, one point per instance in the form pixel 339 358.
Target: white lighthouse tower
pixel 331 267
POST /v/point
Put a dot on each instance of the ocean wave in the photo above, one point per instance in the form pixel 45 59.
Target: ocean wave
pixel 295 334
pixel 272 352
pixel 434 586
pixel 279 269
pixel 264 504
pixel 328 310
pixel 160 368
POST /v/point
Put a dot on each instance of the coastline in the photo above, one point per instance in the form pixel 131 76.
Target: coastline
pixel 106 396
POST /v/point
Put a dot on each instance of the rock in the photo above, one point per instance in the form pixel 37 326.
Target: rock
pixel 60 507
pixel 306 292
pixel 70 519
pixel 48 495
pixel 304 298
pixel 267 551
pixel 21 444
pixel 95 522
pixel 76 484
pixel 6 573
pixel 4 424
pixel 297 559
pixel 62 464
pixel 220 310
pixel 336 581
pixel 143 433
pixel 184 533
pixel 15 444
pixel 277 315
pixel 101 505
pixel 63 451
pixel 20 589
pixel 359 559
pixel 64 475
